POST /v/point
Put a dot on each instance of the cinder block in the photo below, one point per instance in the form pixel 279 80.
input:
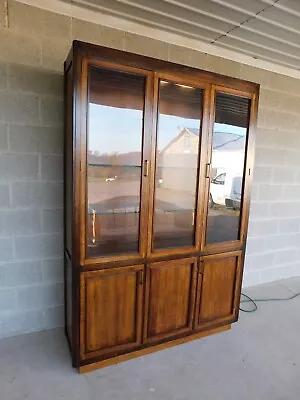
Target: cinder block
pixel 6 250
pixel 4 196
pixel 262 228
pixel 259 210
pixel 52 245
pixel 20 222
pixel 52 168
pixel 36 297
pixel 255 245
pixel 19 47
pixel 270 157
pixel 18 167
pixel 254 74
pixel 19 108
pixel 283 175
pixel 223 66
pixel 271 192
pixel 3 68
pixel 8 299
pixel 284 84
pixel 3 137
pixel 94 33
pixel 52 111
pixel 262 174
pixel 186 56
pixel 20 274
pixel 291 225
pixel 277 242
pixel 251 278
pixel 53 220
pixel 260 261
pixel 53 317
pixel 277 273
pixel 294 240
pixel 288 209
pixel 19 322
pixel 268 98
pixel 29 247
pixel 35 80
pixel 53 271
pixel 54 52
pixel 37 194
pixel 148 47
pixel 285 256
pixel 37 22
pixel 27 194
pixel 52 195
pixel 36 139
pixel 292 192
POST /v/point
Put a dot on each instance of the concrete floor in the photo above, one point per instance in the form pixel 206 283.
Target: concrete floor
pixel 258 359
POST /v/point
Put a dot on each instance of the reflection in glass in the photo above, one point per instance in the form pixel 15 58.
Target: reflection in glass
pixel 179 114
pixel 227 168
pixel 115 126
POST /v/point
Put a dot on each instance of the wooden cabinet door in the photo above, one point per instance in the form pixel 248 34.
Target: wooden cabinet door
pixel 170 298
pixel 218 292
pixel 111 310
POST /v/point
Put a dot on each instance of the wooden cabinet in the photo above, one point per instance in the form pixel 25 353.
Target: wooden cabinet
pixel 218 289
pixel 111 310
pixel 170 298
pixel 158 170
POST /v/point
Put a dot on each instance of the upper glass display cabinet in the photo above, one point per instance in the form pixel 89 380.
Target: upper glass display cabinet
pixel 227 167
pixel 165 162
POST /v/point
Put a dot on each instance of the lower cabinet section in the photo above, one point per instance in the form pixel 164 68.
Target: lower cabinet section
pixel 128 310
pixel 170 298
pixel 218 289
pixel 111 310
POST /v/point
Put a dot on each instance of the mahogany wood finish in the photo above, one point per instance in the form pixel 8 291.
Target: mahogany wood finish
pixel 123 302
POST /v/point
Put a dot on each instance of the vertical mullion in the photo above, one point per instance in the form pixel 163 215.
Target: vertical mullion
pixel 145 200
pixel 153 136
pixel 203 159
pixel 206 156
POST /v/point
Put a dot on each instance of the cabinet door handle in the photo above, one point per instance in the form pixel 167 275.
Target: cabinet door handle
pixel 146 168
pixel 141 277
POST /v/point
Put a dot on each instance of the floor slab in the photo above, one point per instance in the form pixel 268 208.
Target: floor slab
pixel 258 359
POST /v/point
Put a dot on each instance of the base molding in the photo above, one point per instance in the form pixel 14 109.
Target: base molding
pixel 138 353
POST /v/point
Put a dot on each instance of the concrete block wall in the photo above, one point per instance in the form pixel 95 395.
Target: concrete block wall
pixel 33 47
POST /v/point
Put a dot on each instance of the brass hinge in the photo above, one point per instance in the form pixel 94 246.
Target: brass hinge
pixel 208 170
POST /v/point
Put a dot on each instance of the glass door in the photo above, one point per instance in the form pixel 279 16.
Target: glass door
pixel 117 149
pixel 176 172
pixel 227 165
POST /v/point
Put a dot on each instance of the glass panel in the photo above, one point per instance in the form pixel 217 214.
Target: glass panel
pixel 115 130
pixel 178 128
pixel 227 168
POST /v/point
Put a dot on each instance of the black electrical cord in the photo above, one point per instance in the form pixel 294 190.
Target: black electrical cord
pixel 254 301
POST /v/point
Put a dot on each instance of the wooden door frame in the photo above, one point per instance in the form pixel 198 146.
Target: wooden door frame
pixel 174 78
pixel 145 154
pixel 248 172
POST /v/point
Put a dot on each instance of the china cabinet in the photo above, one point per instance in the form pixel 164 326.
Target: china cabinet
pixel 158 170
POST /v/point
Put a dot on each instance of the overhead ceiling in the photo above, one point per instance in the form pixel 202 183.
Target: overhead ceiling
pixel 266 30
